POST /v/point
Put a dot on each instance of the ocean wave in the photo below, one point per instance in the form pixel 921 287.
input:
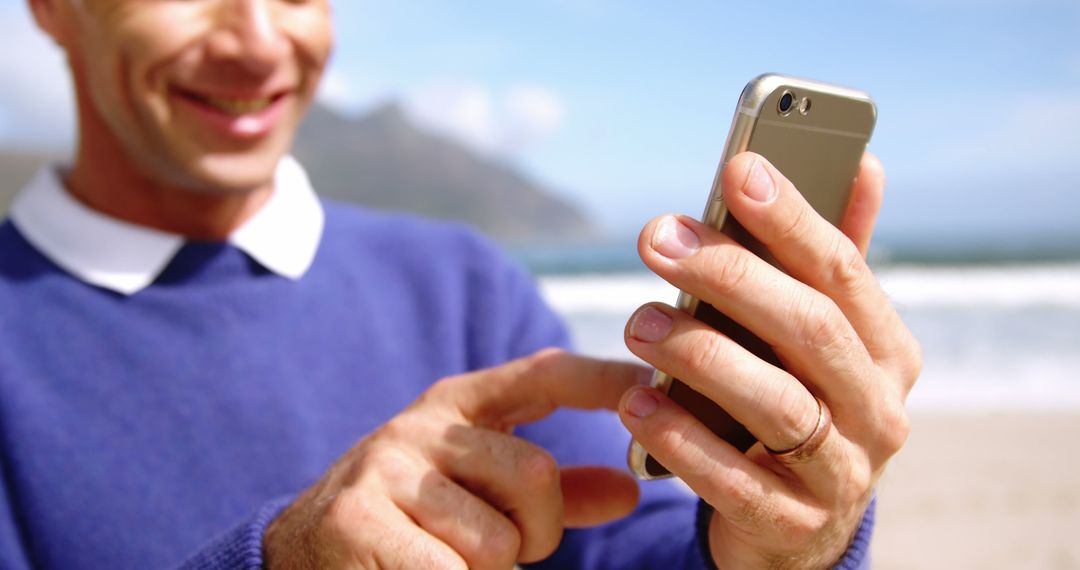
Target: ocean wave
pixel 1010 287
pixel 994 338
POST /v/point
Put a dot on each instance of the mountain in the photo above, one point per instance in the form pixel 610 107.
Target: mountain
pixel 16 169
pixel 382 160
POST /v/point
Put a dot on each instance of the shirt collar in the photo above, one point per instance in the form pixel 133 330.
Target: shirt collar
pixel 283 236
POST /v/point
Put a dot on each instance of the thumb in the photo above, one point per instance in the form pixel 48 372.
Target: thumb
pixel 596 495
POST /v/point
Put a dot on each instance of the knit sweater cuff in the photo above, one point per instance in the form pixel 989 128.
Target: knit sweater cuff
pixel 241 547
pixel 857 556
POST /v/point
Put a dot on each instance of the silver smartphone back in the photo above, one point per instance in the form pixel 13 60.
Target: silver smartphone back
pixel 815 134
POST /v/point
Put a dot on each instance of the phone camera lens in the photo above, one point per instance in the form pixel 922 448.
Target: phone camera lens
pixel 787 101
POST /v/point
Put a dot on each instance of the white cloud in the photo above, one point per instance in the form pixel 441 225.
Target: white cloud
pixel 338 91
pixel 335 91
pixel 532 115
pixel 36 105
pixel 506 122
pixel 492 122
pixel 464 111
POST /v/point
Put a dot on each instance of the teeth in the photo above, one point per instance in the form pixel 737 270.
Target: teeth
pixel 238 106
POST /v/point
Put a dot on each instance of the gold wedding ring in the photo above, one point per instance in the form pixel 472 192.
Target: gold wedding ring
pixel 812 443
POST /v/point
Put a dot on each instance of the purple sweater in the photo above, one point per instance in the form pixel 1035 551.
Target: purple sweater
pixel 168 428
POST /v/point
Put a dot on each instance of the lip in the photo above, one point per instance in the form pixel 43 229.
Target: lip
pixel 237 125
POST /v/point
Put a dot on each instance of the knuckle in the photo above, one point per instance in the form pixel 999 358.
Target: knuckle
pixel 394 430
pixel 895 429
pixel 797 420
pixel 849 273
pixel 543 361
pixel 538 469
pixel 402 430
pixel 673 438
pixel 439 391
pixel 368 462
pixel 903 361
pixel 547 363
pixel 804 528
pixel 819 325
pixel 389 463
pixel 676 439
pixel 496 545
pixel 549 353
pixel 706 348
pixel 794 228
pixel 500 542
pixel 914 360
pixel 860 483
pixel 856 478
pixel 731 268
pixel 345 512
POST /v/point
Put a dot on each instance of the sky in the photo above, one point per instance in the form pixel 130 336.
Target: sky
pixel 623 106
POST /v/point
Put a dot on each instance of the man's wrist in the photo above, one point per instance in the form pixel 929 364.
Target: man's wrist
pixel 855 557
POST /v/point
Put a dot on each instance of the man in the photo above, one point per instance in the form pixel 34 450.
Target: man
pixel 203 366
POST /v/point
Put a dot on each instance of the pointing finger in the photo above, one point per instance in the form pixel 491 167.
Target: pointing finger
pixel 529 389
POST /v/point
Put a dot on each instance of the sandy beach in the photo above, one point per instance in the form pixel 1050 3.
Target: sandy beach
pixel 975 487
pixel 983 490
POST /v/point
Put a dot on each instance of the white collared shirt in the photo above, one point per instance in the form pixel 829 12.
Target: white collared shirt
pixel 101 250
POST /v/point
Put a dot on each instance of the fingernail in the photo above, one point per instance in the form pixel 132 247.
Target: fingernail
pixel 673 239
pixel 759 185
pixel 649 324
pixel 641 404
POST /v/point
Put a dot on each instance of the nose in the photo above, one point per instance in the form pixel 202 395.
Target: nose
pixel 248 34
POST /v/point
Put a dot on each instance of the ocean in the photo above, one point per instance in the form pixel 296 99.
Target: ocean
pixel 996 337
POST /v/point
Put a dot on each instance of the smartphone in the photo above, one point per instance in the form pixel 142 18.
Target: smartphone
pixel 815 134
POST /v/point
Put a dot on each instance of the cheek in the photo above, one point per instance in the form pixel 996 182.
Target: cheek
pixel 101 71
pixel 148 41
pixel 312 35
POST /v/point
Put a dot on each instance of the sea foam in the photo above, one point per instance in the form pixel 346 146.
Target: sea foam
pixel 994 337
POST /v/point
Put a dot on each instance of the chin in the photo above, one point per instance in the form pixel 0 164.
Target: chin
pixel 233 173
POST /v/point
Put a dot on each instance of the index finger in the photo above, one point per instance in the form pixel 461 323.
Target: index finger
pixel 815 252
pixel 531 388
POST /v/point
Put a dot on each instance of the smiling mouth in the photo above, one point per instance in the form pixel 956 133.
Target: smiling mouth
pixel 236 107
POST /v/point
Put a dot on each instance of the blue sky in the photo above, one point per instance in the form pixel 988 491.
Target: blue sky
pixel 624 106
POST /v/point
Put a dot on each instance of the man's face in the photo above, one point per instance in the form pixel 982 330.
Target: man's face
pixel 201 94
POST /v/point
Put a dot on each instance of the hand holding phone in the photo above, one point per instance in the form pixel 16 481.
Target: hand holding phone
pixel 827 340
pixel 815 134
